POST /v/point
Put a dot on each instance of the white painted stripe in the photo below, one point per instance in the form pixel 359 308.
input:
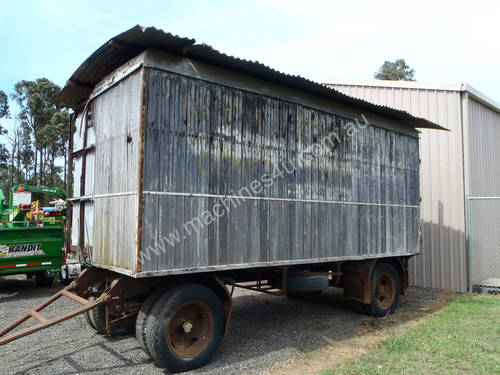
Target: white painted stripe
pixel 21 265
pixel 46 263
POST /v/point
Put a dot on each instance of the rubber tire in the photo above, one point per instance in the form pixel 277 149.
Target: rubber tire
pixel 89 321
pixel 96 318
pixel 160 315
pixel 306 283
pixel 43 280
pixel 143 315
pixel 372 307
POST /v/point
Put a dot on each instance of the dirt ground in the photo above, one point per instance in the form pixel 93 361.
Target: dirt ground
pixel 268 335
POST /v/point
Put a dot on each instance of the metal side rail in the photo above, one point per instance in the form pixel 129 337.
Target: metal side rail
pixel 43 323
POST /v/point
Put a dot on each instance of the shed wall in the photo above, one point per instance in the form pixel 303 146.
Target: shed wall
pixel 442 263
pixel 205 141
pixel 483 136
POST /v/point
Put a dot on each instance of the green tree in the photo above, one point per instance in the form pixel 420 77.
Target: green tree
pixel 4 105
pixel 4 113
pixel 4 153
pixel 20 156
pixel 395 71
pixel 26 154
pixel 44 123
pixel 54 137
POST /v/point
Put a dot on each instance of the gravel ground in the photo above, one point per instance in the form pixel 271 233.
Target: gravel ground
pixel 265 331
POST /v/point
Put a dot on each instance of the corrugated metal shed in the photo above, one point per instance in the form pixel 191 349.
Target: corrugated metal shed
pixel 132 42
pixel 482 154
pixel 454 164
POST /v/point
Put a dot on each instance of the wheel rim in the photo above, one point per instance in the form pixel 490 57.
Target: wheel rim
pixel 385 291
pixel 190 329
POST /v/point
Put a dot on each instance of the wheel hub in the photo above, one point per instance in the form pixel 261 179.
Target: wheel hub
pixel 190 329
pixel 187 326
pixel 385 291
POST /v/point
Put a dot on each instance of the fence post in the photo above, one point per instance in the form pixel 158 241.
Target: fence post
pixel 469 247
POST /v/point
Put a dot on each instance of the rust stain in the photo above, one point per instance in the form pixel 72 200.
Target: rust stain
pixel 140 188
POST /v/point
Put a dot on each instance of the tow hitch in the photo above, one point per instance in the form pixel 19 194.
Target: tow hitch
pixel 119 296
pixel 43 323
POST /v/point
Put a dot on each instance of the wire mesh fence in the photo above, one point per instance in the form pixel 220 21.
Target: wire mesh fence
pixel 483 215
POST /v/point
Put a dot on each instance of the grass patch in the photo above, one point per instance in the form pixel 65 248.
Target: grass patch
pixel 464 338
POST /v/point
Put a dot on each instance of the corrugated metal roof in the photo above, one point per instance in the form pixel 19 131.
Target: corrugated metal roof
pixel 463 87
pixel 114 53
pixel 129 44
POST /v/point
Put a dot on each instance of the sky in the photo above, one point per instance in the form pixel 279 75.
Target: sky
pixel 448 42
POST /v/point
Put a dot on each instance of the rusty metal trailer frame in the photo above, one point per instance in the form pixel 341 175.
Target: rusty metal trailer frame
pixel 43 322
pixel 120 291
pixel 119 297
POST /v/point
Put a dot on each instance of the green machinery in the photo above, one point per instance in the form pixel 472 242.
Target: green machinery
pixel 31 236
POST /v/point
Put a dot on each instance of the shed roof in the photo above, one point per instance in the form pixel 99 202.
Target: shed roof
pixel 127 45
pixel 412 85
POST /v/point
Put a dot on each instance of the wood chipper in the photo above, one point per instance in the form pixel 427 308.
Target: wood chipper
pixel 32 236
pixel 195 172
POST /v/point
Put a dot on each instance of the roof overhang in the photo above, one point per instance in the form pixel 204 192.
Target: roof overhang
pixel 127 45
